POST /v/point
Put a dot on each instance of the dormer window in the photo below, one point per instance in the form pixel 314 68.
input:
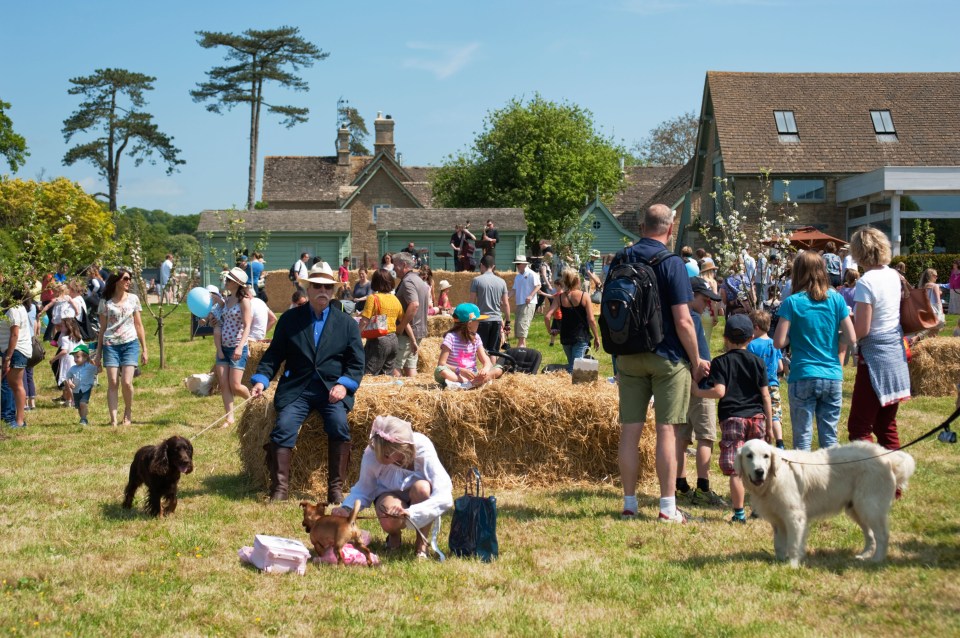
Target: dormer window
pixel 786 126
pixel 883 126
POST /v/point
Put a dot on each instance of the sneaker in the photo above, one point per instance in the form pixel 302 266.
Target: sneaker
pixel 678 517
pixel 704 499
pixel 735 520
pixel 83 422
pixel 452 385
pixel 627 515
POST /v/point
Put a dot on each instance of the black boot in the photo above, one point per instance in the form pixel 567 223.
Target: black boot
pixel 338 465
pixel 281 478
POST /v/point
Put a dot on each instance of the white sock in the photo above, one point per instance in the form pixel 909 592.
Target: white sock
pixel 630 503
pixel 668 506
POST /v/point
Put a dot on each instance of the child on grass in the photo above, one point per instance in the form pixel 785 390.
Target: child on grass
pixel 701 422
pixel 739 379
pixel 69 339
pixel 762 346
pixel 462 350
pixel 80 379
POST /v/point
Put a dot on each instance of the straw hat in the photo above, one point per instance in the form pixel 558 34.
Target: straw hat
pixel 237 275
pixel 320 274
pixel 707 264
pixel 444 284
pixel 521 259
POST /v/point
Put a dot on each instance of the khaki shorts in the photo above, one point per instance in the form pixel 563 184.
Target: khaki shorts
pixel 406 357
pixel 525 314
pixel 648 374
pixel 701 422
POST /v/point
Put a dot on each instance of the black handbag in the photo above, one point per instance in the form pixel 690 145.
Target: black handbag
pixel 37 353
pixel 473 530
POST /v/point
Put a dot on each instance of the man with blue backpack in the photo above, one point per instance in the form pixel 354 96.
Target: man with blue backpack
pixel 646 324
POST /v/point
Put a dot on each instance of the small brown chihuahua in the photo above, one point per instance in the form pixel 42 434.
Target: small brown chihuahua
pixel 333 531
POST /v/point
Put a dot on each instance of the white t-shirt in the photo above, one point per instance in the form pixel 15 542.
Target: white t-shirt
pixel 881 289
pixel 16 316
pixel 523 285
pixel 849 263
pixel 300 269
pixel 258 321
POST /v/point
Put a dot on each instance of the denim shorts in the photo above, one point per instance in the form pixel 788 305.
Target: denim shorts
pixel 121 355
pixel 240 364
pixel 17 360
pixel 81 396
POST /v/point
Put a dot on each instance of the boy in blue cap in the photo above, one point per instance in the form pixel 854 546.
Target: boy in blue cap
pixel 738 378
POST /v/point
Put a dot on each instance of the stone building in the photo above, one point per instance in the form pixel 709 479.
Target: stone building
pixel 849 148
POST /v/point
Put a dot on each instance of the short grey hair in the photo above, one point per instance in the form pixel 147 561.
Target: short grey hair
pixel 657 219
pixel 405 259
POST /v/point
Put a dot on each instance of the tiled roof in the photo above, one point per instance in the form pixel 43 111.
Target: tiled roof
pixel 832 112
pixel 279 221
pixel 671 192
pixel 307 179
pixel 432 219
pixel 639 183
pixel 422 184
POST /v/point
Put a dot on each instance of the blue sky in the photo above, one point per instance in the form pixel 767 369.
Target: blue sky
pixel 436 66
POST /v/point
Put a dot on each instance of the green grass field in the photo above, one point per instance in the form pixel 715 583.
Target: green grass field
pixel 73 563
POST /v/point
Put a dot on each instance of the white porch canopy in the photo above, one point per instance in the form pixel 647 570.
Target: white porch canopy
pixel 892 193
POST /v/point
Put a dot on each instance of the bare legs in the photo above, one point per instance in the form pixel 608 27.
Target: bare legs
pixel 231 385
pixel 120 379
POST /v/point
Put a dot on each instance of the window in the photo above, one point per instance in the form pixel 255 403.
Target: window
pixel 882 122
pixel 596 224
pixel 786 125
pixel 799 190
pixel 377 208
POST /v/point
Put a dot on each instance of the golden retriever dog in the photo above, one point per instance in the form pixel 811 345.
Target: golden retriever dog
pixel 788 489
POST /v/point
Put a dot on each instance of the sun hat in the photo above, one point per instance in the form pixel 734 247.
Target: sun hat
pixel 237 275
pixel 444 284
pixel 320 274
pixel 467 312
pixel 521 259
pixel 392 429
pixel 595 254
pixel 707 264
pixel 81 348
pixel 213 290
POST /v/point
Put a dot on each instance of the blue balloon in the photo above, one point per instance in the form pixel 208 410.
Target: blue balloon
pixel 692 269
pixel 199 302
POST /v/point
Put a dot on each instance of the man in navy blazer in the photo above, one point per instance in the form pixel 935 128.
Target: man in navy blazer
pixel 322 355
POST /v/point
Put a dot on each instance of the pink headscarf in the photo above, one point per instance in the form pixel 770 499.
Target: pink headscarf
pixel 392 429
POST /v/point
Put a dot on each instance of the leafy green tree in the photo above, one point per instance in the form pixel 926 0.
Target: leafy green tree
pixel 349 117
pixel 256 57
pixel 113 106
pixel 540 156
pixel 13 147
pixel 670 143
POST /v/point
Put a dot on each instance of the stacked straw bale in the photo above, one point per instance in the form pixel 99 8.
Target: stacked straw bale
pixel 257 348
pixel 438 325
pixel 935 367
pixel 519 430
pixel 428 353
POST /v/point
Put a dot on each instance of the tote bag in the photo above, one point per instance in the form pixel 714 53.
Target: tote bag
pixel 916 313
pixel 473 530
pixel 377 327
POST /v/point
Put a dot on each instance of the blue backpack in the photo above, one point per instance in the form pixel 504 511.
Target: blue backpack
pixel 631 320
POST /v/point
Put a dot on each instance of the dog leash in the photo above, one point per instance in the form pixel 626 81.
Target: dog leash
pixel 235 408
pixel 945 426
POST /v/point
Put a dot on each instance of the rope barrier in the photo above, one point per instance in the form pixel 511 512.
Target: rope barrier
pixel 235 409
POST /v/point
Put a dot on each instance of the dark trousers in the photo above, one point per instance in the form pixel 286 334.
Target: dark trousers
pixel 291 418
pixel 8 409
pixel 868 417
pixel 489 332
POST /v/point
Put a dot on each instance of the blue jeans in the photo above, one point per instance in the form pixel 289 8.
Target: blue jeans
pixel 815 397
pixel 292 416
pixel 8 409
pixel 574 351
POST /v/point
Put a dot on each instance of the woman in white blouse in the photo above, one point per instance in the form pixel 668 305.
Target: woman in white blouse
pixel 401 475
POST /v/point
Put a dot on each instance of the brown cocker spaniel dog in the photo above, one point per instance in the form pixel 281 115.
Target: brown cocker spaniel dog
pixel 159 467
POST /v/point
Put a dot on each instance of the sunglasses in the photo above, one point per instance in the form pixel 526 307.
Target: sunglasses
pixel 125 278
pixel 322 286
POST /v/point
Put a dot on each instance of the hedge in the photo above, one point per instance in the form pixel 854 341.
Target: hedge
pixel 917 263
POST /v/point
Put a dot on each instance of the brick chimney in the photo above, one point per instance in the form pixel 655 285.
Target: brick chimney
pixel 343 146
pixel 383 141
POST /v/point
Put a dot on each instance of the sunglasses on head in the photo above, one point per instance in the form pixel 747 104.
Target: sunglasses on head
pixel 322 286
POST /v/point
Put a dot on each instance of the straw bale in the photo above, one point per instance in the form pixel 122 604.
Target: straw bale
pixel 257 348
pixel 428 352
pixel 935 367
pixel 438 325
pixel 519 430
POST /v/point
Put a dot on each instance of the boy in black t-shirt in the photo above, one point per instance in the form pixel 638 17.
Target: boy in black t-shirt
pixel 739 379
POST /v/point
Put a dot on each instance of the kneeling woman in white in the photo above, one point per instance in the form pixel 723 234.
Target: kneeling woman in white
pixel 401 475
